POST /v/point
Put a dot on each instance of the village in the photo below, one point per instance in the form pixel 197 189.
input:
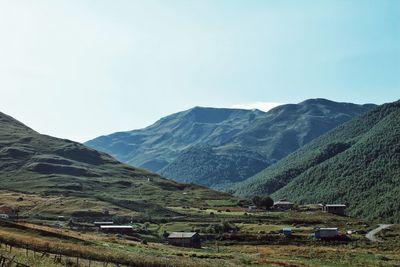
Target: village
pixel 215 235
pixel 194 239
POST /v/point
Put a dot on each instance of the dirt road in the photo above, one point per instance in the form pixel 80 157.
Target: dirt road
pixel 371 234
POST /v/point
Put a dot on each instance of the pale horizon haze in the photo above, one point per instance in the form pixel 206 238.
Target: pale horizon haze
pixel 80 69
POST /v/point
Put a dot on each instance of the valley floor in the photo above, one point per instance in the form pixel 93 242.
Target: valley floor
pixel 232 236
pixel 254 244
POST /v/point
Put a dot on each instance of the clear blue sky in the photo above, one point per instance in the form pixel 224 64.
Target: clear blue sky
pixel 79 69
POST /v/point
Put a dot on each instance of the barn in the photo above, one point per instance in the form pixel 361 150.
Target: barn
pixel 117 229
pixel 339 209
pixel 185 239
pixel 283 205
pixel 326 233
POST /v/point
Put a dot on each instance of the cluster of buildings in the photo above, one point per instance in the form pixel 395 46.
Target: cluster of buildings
pixel 339 209
pixel 319 233
pixel 193 240
pixel 181 239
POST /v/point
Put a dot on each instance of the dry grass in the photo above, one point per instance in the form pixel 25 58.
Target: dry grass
pixel 102 249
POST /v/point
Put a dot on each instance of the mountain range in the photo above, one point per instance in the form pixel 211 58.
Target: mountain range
pixel 317 151
pixel 358 164
pixel 220 147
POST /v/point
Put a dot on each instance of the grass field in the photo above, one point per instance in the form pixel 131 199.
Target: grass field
pixel 251 238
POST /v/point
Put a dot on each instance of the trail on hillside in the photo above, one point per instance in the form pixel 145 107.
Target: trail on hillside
pixel 371 234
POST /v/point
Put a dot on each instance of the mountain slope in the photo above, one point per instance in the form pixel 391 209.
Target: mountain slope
pixel 35 163
pixel 265 141
pixel 156 146
pixel 213 166
pixel 357 163
pixel 219 147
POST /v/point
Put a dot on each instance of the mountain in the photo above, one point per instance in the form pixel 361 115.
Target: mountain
pixel 266 140
pixel 158 145
pixel 34 163
pixel 219 147
pixel 357 163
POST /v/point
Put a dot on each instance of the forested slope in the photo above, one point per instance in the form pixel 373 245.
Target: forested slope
pixel 358 163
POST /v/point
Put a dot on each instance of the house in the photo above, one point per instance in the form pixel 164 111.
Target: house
pixel 98 224
pixel 4 216
pixel 252 207
pixel 7 210
pixel 339 209
pixel 287 231
pixel 185 239
pixel 326 233
pixel 283 205
pixel 117 229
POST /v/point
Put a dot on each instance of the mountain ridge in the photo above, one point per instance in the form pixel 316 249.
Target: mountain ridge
pixel 237 143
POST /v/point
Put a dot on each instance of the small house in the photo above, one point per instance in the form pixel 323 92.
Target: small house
pixel 4 217
pixel 185 239
pixel 287 232
pixel 7 210
pixel 283 205
pixel 117 229
pixel 98 224
pixel 339 209
pixel 252 207
pixel 326 233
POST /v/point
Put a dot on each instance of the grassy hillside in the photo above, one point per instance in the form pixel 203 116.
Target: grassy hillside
pixel 358 163
pixel 219 147
pixel 40 164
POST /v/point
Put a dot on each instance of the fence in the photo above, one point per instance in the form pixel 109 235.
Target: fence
pixel 7 262
pixel 60 259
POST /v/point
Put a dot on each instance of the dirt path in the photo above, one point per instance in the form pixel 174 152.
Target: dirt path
pixel 371 234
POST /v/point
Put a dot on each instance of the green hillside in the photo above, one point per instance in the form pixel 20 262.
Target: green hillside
pixel 358 163
pixel 219 147
pixel 40 164
pixel 215 167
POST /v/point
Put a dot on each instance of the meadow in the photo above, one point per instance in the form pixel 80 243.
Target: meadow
pixel 232 236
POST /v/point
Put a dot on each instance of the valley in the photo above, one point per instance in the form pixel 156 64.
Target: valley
pixel 65 204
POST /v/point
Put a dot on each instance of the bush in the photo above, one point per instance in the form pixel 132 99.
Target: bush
pixel 263 201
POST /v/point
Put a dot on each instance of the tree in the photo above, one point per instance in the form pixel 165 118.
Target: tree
pixel 263 202
pixel 267 202
pixel 257 201
pixel 165 234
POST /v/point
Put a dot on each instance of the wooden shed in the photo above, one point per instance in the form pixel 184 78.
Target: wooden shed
pixel 117 229
pixel 185 239
pixel 287 231
pixel 326 233
pixel 283 205
pixel 339 209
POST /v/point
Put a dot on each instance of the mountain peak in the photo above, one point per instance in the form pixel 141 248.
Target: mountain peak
pixel 318 101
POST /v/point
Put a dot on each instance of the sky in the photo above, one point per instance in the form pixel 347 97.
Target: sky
pixel 78 69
